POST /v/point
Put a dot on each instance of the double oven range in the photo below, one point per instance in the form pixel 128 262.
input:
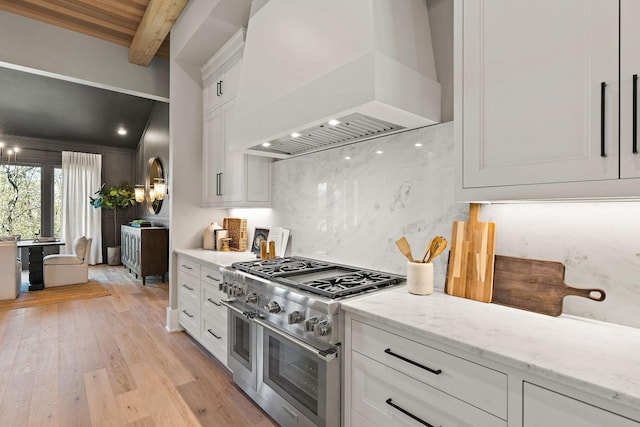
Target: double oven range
pixel 285 333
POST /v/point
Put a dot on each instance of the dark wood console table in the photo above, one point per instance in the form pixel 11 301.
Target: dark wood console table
pixel 145 250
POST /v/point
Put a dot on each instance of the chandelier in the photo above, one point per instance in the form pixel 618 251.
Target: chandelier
pixel 11 153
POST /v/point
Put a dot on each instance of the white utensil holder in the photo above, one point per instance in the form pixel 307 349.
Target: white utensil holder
pixel 420 278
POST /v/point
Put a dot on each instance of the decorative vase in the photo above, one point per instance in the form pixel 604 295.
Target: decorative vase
pixel 113 255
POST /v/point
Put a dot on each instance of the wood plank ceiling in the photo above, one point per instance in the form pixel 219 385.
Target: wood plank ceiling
pixel 141 25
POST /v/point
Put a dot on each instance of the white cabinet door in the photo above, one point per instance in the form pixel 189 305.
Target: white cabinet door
pixel 212 158
pixel 258 179
pixel 546 408
pixel 629 73
pixel 532 90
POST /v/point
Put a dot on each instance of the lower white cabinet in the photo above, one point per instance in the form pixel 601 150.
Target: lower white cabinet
pixel 546 408
pixel 395 378
pixel 201 312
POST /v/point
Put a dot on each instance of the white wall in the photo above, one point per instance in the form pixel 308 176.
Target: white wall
pixel 54 51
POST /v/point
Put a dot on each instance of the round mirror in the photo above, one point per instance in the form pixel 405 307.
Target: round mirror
pixel 155 176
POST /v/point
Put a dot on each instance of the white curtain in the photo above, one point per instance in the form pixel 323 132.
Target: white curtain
pixel 81 178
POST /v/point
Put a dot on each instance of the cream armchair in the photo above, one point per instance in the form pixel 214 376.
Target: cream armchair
pixel 11 269
pixel 68 269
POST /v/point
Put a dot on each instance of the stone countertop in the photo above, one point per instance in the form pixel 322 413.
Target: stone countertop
pixel 221 259
pixel 597 357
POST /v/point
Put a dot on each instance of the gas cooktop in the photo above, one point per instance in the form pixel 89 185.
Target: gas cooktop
pixel 319 277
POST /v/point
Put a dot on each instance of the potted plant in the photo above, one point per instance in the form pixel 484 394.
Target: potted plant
pixel 117 196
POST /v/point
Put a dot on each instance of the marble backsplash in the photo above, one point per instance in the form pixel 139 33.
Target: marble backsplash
pixel 350 204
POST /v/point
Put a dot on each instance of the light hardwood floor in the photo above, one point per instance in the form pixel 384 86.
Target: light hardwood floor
pixel 109 361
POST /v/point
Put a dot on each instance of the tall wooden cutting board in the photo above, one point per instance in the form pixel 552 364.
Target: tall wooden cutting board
pixel 473 245
pixel 535 285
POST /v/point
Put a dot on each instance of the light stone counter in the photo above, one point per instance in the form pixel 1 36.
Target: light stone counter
pixel 597 357
pixel 222 259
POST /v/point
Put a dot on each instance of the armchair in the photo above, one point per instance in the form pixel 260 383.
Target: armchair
pixel 68 269
pixel 11 269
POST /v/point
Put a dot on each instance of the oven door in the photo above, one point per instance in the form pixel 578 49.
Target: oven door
pixel 297 374
pixel 241 348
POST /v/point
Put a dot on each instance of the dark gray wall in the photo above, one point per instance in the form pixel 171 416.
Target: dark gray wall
pixel 155 143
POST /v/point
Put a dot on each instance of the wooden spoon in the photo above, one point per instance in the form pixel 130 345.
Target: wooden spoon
pixel 437 247
pixel 426 251
pixel 405 248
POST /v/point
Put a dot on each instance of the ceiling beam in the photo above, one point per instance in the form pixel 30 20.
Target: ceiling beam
pixel 153 29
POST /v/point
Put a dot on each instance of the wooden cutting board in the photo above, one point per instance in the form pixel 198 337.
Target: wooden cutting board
pixel 534 285
pixel 470 270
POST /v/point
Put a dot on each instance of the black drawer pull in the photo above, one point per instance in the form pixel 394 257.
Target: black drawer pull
pixel 635 114
pixel 187 287
pixel 212 278
pixel 426 368
pixel 187 313
pixel 407 413
pixel 187 267
pixel 603 89
pixel 211 332
pixel 213 302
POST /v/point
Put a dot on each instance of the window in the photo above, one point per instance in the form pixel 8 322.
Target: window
pixel 20 200
pixel 57 201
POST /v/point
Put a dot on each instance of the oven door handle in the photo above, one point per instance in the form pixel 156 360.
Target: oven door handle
pixel 227 304
pixel 326 355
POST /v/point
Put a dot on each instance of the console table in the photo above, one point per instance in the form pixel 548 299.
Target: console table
pixel 36 255
pixel 145 250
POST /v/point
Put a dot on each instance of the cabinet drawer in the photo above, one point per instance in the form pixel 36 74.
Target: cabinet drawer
pixel 188 288
pixel 478 385
pixel 211 304
pixel 190 267
pixel 189 317
pixel 381 394
pixel 546 408
pixel 214 337
pixel 211 276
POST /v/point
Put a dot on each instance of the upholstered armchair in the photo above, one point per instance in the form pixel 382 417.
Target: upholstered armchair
pixel 11 268
pixel 68 269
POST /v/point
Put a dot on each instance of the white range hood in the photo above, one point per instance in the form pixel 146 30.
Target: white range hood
pixel 367 64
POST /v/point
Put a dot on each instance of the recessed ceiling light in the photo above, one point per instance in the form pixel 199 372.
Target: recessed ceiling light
pixel 379 152
pixel 347 158
pixel 122 131
pixel 334 122
pixel 266 144
pixel 295 135
pixel 418 144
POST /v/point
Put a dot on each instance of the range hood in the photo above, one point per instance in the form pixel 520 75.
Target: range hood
pixel 318 74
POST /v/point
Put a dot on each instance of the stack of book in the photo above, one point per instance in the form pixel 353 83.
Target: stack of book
pixel 140 223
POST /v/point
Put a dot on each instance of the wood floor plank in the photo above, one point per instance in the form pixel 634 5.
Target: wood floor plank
pixel 109 361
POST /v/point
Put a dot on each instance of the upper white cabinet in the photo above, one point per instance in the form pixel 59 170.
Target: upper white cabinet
pixel 230 178
pixel 543 100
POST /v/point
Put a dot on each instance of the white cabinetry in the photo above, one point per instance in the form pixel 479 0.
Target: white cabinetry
pixel 539 97
pixel 230 178
pixel 201 313
pixel 546 408
pixel 396 381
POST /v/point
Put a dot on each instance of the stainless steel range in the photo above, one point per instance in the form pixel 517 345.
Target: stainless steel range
pixel 285 333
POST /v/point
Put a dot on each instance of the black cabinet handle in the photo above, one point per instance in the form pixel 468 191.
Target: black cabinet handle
pixel 603 89
pixel 187 267
pixel 185 286
pixel 219 88
pixel 212 278
pixel 635 114
pixel 211 332
pixel 187 313
pixel 220 83
pixel 218 184
pixel 213 302
pixel 419 365
pixel 407 413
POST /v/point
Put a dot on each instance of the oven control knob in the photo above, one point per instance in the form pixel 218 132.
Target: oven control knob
pixel 273 307
pixel 236 290
pixel 296 317
pixel 222 287
pixel 321 328
pixel 252 298
pixel 309 324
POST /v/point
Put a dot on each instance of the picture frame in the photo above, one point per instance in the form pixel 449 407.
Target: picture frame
pixel 260 234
